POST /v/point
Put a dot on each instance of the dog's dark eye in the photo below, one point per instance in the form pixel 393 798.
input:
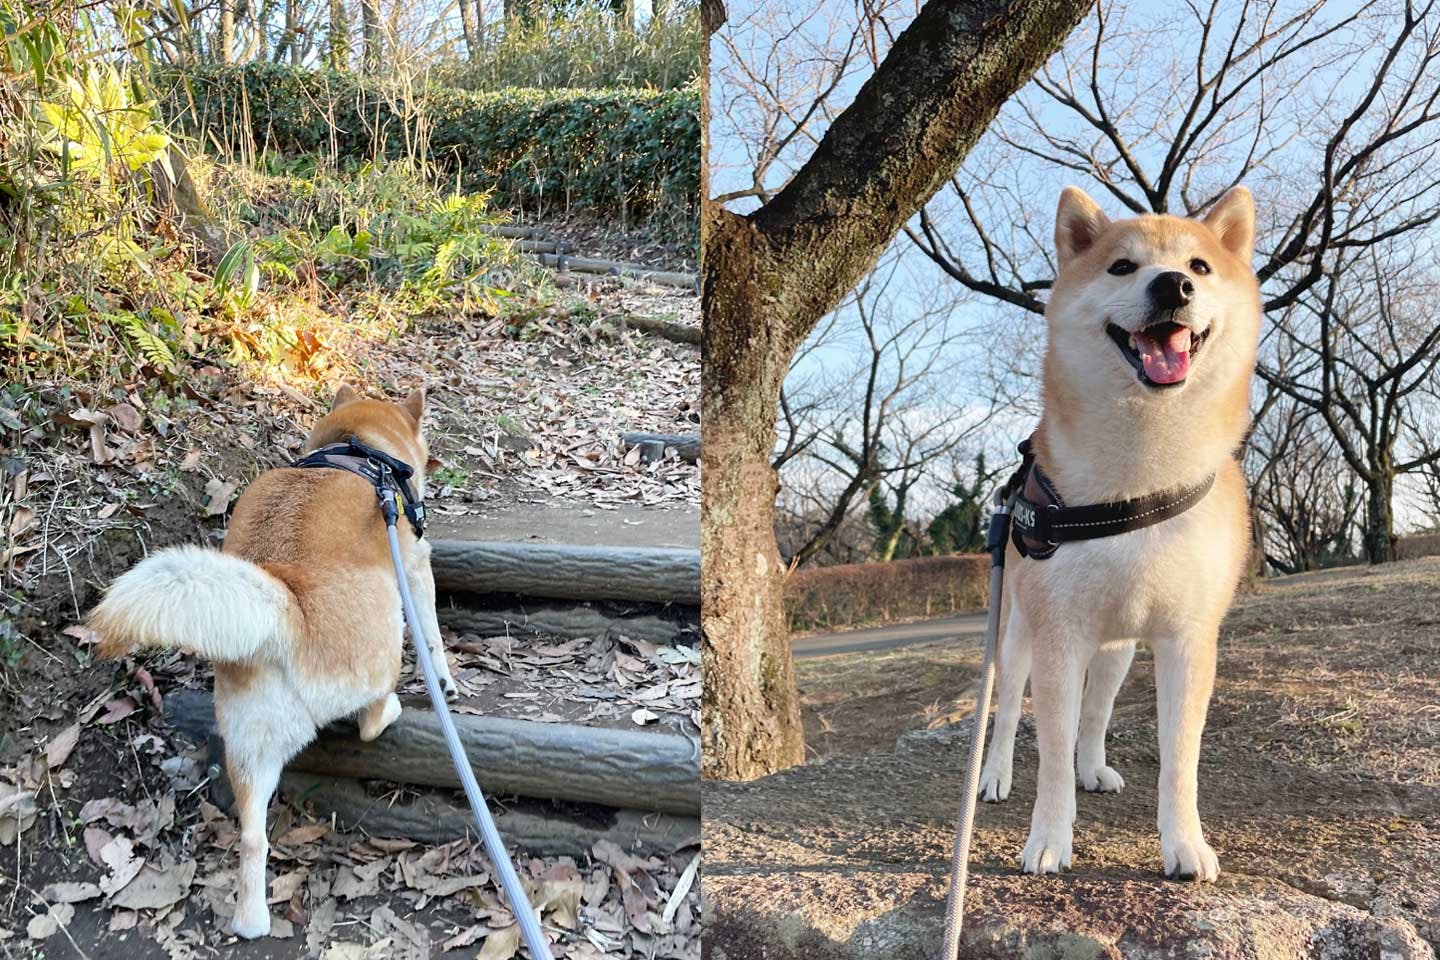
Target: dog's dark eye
pixel 1121 267
pixel 1199 266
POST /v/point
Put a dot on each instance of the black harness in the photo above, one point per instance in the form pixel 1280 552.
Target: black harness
pixel 1040 520
pixel 383 471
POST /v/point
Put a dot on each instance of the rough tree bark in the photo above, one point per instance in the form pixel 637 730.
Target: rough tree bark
pixel 225 41
pixel 470 29
pixel 767 280
pixel 370 24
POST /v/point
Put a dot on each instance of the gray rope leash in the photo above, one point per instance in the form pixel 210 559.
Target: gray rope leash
pixel 960 857
pixel 530 930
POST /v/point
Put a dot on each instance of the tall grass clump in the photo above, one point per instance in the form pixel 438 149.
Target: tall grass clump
pixel 586 48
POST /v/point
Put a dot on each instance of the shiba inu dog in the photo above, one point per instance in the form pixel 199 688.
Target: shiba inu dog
pixel 1152 332
pixel 299 613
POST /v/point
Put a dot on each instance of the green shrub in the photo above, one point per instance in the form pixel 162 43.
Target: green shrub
pixel 631 154
pixel 854 594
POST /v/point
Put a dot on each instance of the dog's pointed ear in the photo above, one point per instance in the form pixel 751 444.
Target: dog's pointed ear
pixel 1078 222
pixel 1232 220
pixel 344 395
pixel 415 404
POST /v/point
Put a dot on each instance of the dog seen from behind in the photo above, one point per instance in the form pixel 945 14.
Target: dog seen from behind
pixel 299 613
pixel 1152 331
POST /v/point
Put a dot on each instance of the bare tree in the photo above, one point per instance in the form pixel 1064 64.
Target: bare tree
pixel 768 277
pixel 1361 353
pixel 1302 488
pixel 881 419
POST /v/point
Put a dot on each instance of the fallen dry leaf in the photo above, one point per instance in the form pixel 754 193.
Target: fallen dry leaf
pixel 47 924
pixel 57 751
pixel 70 892
pixel 119 856
pixel 501 944
pixel 154 887
pixel 306 833
pixel 217 496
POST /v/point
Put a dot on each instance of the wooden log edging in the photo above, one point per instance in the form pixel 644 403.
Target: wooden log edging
pixel 552 761
pixel 615 268
pixel 537 829
pixel 685 445
pixel 669 329
pixel 567 572
pixel 467 614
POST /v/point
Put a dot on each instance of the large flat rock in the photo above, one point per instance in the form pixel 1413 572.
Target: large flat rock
pixel 1320 791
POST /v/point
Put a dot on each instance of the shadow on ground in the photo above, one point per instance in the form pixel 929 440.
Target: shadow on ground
pixel 1320 790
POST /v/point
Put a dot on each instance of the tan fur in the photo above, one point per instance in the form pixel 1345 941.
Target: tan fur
pixel 1106 436
pixel 310 614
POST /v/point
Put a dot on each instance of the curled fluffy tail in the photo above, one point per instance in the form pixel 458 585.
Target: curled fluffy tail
pixel 203 601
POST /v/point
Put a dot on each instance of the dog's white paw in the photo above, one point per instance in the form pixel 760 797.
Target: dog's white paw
pixel 251 924
pixel 1189 858
pixel 452 692
pixel 994 785
pixel 1102 779
pixel 1047 850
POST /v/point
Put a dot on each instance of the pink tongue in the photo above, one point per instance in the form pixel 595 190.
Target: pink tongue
pixel 1167 359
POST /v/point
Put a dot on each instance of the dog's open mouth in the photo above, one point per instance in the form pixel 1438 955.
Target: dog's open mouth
pixel 1160 353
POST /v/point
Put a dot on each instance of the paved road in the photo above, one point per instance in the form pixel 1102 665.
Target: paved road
pixel 889 637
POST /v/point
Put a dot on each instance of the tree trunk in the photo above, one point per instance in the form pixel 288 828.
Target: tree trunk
pixel 767 280
pixel 468 25
pixel 292 30
pixel 750 711
pixel 339 36
pixel 225 43
pixel 370 13
pixel 1380 517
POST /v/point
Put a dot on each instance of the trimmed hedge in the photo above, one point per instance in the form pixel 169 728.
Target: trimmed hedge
pixel 1421 545
pixel 853 594
pixel 619 152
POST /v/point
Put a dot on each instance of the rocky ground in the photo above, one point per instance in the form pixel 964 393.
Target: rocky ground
pixel 1320 791
pixel 109 845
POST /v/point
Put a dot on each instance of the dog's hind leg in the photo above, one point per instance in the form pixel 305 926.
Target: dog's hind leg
pixel 1102 682
pixel 1184 679
pixel 1014 669
pixel 422 588
pixel 254 779
pixel 376 717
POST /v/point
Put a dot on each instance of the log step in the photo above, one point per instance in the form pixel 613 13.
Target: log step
pixel 685 445
pixel 489 618
pixel 552 761
pixel 668 278
pixel 567 571
pixel 536 828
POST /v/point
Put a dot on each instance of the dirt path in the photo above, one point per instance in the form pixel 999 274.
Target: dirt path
pixel 1320 789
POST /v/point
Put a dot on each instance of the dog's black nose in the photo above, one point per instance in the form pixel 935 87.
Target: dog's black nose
pixel 1171 290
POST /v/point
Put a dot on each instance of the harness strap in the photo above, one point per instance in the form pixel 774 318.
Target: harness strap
pixel 376 466
pixel 1041 521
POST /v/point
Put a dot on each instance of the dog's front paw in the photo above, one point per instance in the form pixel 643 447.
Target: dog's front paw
pixel 1189 857
pixel 1102 779
pixel 452 692
pixel 251 924
pixel 994 785
pixel 1047 850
